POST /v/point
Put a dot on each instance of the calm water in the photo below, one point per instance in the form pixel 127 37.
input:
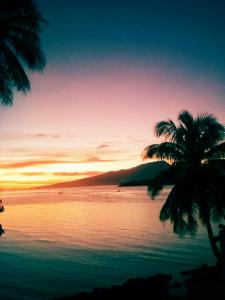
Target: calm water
pixel 61 242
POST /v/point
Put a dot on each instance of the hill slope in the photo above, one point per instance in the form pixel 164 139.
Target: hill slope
pixel 140 173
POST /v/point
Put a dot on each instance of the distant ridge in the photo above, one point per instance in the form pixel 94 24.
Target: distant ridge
pixel 141 173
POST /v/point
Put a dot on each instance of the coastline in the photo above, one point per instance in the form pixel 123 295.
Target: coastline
pixel 201 283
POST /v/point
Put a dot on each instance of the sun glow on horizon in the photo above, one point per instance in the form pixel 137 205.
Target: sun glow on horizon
pixel 103 124
pixel 45 174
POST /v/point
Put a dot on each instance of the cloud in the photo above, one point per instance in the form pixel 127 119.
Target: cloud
pixel 96 159
pixel 43 135
pixel 30 163
pixel 103 146
pixel 30 135
pixel 88 173
pixel 25 183
pixel 33 173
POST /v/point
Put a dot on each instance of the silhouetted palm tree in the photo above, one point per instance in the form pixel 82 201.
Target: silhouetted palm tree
pixel 20 26
pixel 196 151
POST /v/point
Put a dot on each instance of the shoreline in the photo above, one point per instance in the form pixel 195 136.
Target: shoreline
pixel 201 283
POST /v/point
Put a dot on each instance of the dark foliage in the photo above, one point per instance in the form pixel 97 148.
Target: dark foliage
pixel 195 148
pixel 20 49
pixel 151 288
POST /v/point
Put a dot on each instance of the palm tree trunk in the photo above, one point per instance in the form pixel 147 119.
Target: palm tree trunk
pixel 212 240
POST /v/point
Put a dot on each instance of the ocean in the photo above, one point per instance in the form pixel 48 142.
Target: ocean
pixel 60 242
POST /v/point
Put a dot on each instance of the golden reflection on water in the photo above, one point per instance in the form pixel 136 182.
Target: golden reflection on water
pixel 96 220
pixel 88 237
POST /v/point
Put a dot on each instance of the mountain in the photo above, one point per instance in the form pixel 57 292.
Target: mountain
pixel 141 173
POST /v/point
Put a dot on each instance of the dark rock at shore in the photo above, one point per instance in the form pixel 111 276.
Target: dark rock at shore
pixel 151 288
pixel 204 283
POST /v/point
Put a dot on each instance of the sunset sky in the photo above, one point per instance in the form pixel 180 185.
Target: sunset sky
pixel 114 69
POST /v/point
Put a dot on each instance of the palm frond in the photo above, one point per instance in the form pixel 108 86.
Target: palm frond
pixel 211 131
pixel 180 206
pixel 22 13
pixel 186 119
pixel 167 177
pixel 165 212
pixel 167 129
pixel 215 153
pixel 11 31
pixel 30 54
pixel 20 27
pixel 6 89
pixel 150 151
pixel 14 69
pixel 169 151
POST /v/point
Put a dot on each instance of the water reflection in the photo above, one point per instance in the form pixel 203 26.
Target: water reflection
pixel 90 237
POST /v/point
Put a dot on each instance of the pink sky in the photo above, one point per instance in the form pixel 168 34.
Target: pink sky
pixel 77 123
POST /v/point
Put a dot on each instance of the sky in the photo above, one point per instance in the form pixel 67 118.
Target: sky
pixel 114 69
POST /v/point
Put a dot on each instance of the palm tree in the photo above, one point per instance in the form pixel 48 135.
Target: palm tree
pixel 195 148
pixel 20 27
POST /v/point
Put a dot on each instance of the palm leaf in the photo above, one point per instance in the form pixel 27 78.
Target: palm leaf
pixel 20 49
pixel 167 177
pixel 167 129
pixel 30 54
pixel 211 131
pixel 186 119
pixel 169 151
pixel 6 94
pixel 14 69
pixel 215 153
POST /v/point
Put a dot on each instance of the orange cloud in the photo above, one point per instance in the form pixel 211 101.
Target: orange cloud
pixel 95 159
pixel 90 173
pixel 33 173
pixel 103 146
pixel 18 182
pixel 30 163
pixel 32 135
pixel 43 135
